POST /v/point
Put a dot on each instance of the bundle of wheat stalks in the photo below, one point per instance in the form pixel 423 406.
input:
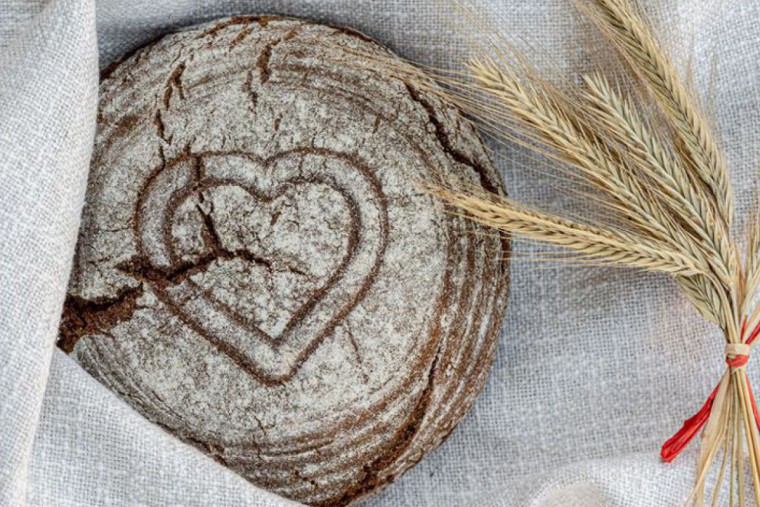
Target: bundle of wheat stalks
pixel 661 169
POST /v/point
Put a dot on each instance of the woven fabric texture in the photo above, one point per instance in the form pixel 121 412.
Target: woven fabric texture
pixel 595 368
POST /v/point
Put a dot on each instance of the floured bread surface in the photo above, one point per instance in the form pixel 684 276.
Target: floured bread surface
pixel 257 270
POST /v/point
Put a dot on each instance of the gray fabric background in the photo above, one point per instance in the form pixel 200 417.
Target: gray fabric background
pixel 596 367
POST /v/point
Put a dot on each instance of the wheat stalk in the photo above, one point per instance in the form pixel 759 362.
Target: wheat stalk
pixel 662 171
pixel 751 278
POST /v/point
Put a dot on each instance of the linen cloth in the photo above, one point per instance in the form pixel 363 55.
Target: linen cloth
pixel 595 367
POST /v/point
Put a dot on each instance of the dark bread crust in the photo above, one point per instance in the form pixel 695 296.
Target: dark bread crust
pixel 328 405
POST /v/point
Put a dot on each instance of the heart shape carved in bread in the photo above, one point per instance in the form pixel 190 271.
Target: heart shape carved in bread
pixel 191 189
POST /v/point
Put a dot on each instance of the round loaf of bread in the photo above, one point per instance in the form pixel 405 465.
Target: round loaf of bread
pixel 258 271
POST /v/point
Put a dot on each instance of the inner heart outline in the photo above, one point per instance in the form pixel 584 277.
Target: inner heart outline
pixel 268 359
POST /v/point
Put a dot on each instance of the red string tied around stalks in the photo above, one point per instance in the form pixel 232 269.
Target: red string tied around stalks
pixel 737 356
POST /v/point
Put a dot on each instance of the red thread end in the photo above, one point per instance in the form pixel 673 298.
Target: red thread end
pixel 678 442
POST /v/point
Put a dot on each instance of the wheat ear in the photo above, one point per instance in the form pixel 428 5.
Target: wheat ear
pixel 632 37
pixel 613 247
pixel 648 150
pixel 570 142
